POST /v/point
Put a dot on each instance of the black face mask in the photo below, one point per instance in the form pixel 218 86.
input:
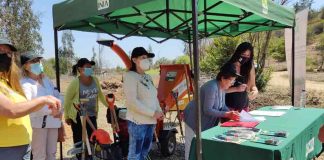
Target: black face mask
pixel 5 62
pixel 243 60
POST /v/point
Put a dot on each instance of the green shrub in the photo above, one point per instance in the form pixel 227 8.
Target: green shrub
pixel 277 49
pixel 65 65
pixel 120 69
pixel 184 59
pixel 48 69
pixel 318 28
pixel 218 53
pixel 262 79
pixel 160 61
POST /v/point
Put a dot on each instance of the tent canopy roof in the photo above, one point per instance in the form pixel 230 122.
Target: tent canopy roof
pixel 170 19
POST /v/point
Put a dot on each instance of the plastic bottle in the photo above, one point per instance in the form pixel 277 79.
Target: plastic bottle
pixel 302 99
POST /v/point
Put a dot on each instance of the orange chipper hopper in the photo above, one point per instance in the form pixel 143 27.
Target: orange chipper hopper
pixel 119 51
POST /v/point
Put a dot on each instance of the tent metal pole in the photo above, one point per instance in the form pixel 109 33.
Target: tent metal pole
pixel 57 69
pixel 168 14
pixel 205 17
pixel 57 63
pixel 190 50
pixel 196 78
pixel 293 68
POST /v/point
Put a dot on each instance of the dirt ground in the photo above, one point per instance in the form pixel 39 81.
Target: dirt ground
pixel 277 93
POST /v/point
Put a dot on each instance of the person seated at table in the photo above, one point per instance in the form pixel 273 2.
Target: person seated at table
pixel 212 97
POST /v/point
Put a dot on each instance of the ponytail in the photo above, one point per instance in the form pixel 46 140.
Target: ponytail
pixel 75 70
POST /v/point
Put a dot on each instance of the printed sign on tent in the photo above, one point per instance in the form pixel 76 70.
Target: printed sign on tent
pixel 102 4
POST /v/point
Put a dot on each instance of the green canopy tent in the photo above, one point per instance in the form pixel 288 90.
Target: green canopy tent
pixel 188 20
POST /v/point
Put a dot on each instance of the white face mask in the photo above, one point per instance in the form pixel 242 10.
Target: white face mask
pixel 145 64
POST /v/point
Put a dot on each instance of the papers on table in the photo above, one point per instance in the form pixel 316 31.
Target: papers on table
pixel 246 117
pixel 260 118
pixel 267 113
pixel 282 107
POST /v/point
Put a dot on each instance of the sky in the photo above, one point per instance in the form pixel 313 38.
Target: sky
pixel 85 41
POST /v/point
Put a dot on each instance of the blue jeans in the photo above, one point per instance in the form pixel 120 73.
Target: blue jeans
pixel 140 140
pixel 15 153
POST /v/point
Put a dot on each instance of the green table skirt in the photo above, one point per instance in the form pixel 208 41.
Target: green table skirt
pixel 302 125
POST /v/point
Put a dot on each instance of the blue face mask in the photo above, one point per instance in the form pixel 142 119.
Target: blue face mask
pixel 36 68
pixel 88 72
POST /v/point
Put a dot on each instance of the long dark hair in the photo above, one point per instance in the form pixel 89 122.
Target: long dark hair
pixel 75 70
pixel 246 67
pixel 133 67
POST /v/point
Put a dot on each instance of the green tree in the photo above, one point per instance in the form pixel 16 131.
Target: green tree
pixel 20 25
pixel 97 56
pixel 218 53
pixel 277 49
pixel 184 59
pixel 150 50
pixel 160 61
pixel 302 4
pixel 48 68
pixel 66 52
pixel 67 44
pixel 63 63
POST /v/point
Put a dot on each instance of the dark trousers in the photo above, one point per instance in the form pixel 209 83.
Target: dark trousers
pixel 77 128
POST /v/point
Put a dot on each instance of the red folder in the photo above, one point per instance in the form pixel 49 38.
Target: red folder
pixel 239 124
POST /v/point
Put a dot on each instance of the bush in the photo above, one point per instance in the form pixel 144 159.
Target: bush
pixel 160 61
pixel 311 64
pixel 65 65
pixel 262 79
pixel 322 13
pixel 218 53
pixel 48 69
pixel 318 28
pixel 120 69
pixel 277 49
pixel 184 59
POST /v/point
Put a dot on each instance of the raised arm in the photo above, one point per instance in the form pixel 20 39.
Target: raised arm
pixel 16 110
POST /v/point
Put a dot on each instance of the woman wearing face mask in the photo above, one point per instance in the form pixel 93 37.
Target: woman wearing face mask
pixel 84 86
pixel 244 89
pixel 15 127
pixel 143 109
pixel 45 126
pixel 213 106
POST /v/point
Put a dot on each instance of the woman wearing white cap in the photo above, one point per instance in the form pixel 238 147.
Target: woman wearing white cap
pixel 45 126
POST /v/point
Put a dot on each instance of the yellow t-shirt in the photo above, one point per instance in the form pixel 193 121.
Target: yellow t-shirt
pixel 14 132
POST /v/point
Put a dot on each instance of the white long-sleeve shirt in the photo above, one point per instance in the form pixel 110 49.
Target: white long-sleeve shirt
pixel 34 89
pixel 141 98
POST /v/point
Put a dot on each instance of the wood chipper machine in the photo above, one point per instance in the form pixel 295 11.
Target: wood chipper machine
pixel 175 90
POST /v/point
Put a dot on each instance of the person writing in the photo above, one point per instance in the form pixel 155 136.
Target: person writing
pixel 213 108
